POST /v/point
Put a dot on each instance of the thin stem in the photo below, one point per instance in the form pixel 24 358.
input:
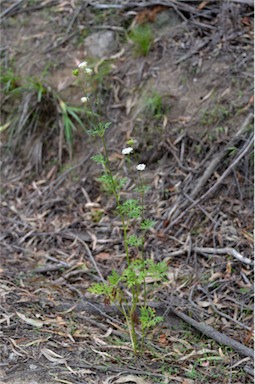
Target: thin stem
pixel 142 251
pixel 142 195
pixel 131 329
pixel 132 317
pixel 117 197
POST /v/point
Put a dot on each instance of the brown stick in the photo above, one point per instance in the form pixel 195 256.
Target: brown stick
pixel 215 335
pixel 211 190
pixel 224 251
pixel 219 157
pixel 181 208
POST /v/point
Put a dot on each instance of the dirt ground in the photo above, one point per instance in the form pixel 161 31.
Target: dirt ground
pixel 188 104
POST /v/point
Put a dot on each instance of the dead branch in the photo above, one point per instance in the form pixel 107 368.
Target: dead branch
pixel 224 251
pixel 76 237
pixel 211 190
pixel 49 268
pixel 213 164
pixel 244 151
pixel 11 8
pixel 174 4
pixel 214 251
pixel 181 208
pixel 193 51
pixel 222 314
pixel 215 335
pixel 247 2
pixel 57 182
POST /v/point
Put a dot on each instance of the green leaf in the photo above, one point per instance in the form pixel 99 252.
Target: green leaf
pixel 98 158
pixel 75 116
pixel 147 224
pixel 130 277
pixel 111 183
pixel 142 189
pixel 99 130
pixel 99 289
pixel 148 318
pixel 107 182
pixel 134 274
pixel 114 278
pixel 68 126
pixel 157 271
pixel 131 208
pixel 120 182
pixel 135 241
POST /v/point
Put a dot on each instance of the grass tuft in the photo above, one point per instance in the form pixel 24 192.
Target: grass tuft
pixel 142 38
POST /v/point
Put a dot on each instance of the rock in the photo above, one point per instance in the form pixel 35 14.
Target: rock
pixel 100 44
pixel 168 18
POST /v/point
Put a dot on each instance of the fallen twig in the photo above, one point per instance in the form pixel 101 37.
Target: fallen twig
pixel 174 214
pixel 57 182
pixel 214 251
pixel 108 368
pixel 222 314
pixel 244 151
pixel 247 2
pixel 213 164
pixel 193 51
pixel 224 251
pixel 11 8
pixel 50 268
pixel 88 253
pixel 211 190
pixel 215 335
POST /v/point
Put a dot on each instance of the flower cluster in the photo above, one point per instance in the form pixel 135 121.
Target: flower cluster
pixel 127 151
pixel 140 167
pixel 84 66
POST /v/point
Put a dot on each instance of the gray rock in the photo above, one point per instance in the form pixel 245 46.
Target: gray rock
pixel 100 44
pixel 167 19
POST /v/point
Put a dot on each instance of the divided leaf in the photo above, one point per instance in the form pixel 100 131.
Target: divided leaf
pixel 148 318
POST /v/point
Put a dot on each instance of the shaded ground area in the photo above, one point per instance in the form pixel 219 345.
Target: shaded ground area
pixel 188 103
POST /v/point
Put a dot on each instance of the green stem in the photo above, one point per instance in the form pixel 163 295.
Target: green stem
pixel 142 194
pixel 95 118
pixel 117 198
pixel 142 251
pixel 131 329
pixel 132 317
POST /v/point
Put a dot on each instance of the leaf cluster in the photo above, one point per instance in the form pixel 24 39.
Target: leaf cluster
pixel 99 129
pixel 99 159
pixel 131 209
pixel 135 241
pixel 147 224
pixel 111 183
pixel 110 289
pixel 133 275
pixel 148 318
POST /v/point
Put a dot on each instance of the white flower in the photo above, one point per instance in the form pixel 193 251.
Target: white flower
pixel 140 167
pixel 127 151
pixel 88 71
pixel 84 99
pixel 83 65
